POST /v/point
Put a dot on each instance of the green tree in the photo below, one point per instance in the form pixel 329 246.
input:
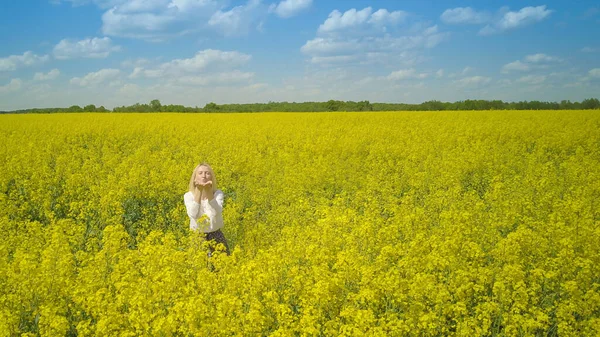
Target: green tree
pixel 590 103
pixel 210 107
pixel 74 108
pixel 155 105
pixel 90 108
pixel 333 105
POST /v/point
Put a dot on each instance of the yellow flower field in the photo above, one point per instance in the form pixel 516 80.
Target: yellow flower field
pixel 478 223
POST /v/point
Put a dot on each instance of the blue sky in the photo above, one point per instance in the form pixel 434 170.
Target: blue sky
pixel 57 53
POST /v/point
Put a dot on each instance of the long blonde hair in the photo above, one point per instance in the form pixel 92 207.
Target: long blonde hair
pixel 212 177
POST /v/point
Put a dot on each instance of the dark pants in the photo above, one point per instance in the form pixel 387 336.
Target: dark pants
pixel 218 237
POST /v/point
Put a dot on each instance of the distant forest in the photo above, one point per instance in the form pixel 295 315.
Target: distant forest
pixel 332 105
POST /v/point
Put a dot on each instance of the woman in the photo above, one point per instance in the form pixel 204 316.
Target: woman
pixel 204 203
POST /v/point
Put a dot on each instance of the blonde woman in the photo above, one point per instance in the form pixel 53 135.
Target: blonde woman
pixel 204 203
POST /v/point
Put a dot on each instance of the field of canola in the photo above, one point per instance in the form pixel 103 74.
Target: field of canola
pixel 479 223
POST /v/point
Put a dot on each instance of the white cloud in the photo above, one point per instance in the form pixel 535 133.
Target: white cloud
pixel 225 78
pixel 516 66
pixel 473 81
pixel 531 62
pixel 132 63
pixel 239 20
pixel 14 62
pixel 532 79
pixel 365 48
pixel 364 38
pixel 540 58
pixel 289 8
pixel 524 16
pixel 95 78
pixel 464 15
pixel 14 85
pixel 594 73
pixel 467 70
pixel 157 20
pixel 130 89
pixel 334 59
pixel 439 73
pixel 589 49
pixel 206 68
pixel 367 37
pixel 328 46
pixel 405 74
pixel 99 3
pixel 338 21
pixel 512 20
pixel 51 75
pixel 86 48
pixel 143 25
pixel 208 60
pixel 502 21
pixel 383 17
pixel 353 19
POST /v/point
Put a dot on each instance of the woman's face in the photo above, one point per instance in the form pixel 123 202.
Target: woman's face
pixel 203 175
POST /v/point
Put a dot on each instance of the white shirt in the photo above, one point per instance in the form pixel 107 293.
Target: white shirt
pixel 213 209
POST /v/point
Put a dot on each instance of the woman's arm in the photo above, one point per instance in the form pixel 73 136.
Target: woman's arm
pixel 216 204
pixel 193 207
pixel 214 209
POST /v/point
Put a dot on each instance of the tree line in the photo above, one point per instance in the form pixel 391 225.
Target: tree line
pixel 331 105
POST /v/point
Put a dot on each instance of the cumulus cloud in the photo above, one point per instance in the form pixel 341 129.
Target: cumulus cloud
pixel 95 78
pixel 374 45
pixel 362 48
pixel 51 75
pixel 14 62
pixel 157 20
pixel 330 46
pixel 207 67
pixel 139 62
pixel 334 59
pixel 405 74
pixel 289 8
pixel 502 20
pixel 14 85
pixel 540 58
pixel 512 20
pixel 516 66
pixel 224 78
pixel 351 19
pixel 473 81
pixel 208 60
pixel 532 79
pixel 531 62
pixel 86 48
pixel 238 20
pixel 594 73
pixel 366 37
pixel 464 15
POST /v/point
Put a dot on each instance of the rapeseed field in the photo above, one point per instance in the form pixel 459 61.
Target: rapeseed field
pixel 469 223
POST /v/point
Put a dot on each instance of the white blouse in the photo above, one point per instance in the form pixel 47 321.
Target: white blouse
pixel 213 209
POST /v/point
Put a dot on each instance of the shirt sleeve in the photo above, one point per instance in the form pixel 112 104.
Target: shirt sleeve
pixel 193 208
pixel 214 209
pixel 215 205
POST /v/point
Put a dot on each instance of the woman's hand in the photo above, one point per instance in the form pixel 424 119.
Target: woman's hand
pixel 204 185
pixel 199 182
